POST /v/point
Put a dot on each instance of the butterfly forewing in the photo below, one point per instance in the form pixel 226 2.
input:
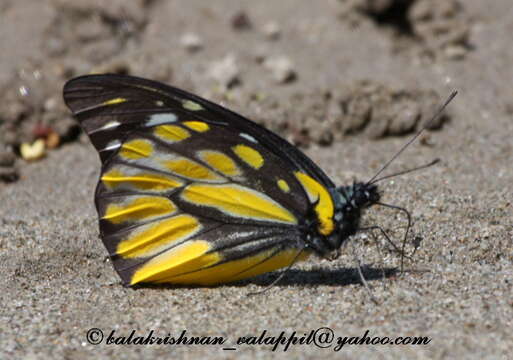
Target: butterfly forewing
pixel 89 97
pixel 189 191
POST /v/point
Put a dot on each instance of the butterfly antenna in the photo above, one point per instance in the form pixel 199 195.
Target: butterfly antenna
pixel 435 116
pixel 279 276
pixel 435 161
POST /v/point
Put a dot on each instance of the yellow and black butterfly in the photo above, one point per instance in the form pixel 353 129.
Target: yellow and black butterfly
pixel 193 193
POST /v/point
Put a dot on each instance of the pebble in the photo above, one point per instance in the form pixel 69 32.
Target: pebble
pixel 53 140
pixel 8 174
pixel 455 52
pixel 272 30
pixel 191 42
pixel 7 159
pixel 33 151
pixel 225 71
pixel 281 68
pixel 241 21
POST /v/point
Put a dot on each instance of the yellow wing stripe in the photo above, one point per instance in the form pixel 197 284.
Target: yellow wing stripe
pixel 115 101
pixel 282 184
pixel 324 208
pixel 136 149
pixel 203 271
pixel 278 261
pixel 198 126
pixel 157 237
pixel 183 258
pixel 142 181
pixel 238 201
pixel 171 133
pixel 141 208
pixel 190 169
pixel 249 155
pixel 220 162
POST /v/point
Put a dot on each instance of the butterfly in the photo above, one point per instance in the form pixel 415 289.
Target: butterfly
pixel 193 193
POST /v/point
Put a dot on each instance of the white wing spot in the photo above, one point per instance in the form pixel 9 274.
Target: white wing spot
pixel 107 126
pixel 249 137
pixel 114 144
pixel 159 119
pixel 191 105
pixel 110 125
pixel 159 103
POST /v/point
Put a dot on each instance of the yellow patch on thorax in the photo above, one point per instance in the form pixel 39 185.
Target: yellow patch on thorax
pixel 324 208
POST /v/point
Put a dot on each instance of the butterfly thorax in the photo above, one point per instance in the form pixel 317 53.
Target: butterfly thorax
pixel 349 201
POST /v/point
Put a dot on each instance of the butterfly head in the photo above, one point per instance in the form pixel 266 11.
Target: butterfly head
pixel 349 203
pixel 357 196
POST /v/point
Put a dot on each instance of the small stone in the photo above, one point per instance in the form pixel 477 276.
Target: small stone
pixel 52 140
pixel 241 21
pixel 427 140
pixel 272 30
pixel 10 136
pixel 34 151
pixel 225 71
pixel 508 108
pixel 455 52
pixel 281 69
pixel 114 66
pixel 7 159
pixel 51 104
pixel 191 42
pixel 9 174
pixel 260 53
pixel 485 233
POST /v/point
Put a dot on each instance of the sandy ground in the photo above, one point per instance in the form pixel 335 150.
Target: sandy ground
pixel 56 283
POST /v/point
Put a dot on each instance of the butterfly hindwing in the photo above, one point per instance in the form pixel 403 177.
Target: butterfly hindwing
pixel 191 192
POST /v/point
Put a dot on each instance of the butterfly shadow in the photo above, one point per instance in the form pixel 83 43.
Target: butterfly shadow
pixel 321 276
pixel 298 277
